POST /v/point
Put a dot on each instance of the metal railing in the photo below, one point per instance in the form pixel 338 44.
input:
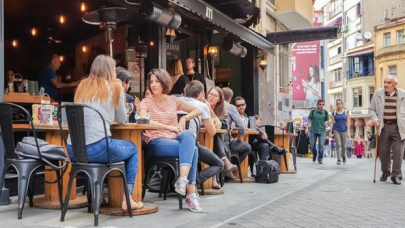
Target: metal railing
pixel 335 59
pixel 335 84
pixel 364 72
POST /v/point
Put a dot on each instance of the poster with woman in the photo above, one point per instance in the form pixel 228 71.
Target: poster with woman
pixel 306 83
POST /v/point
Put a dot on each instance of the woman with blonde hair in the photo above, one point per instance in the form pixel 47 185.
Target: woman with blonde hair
pixel 339 129
pixel 171 139
pixel 176 73
pixel 106 96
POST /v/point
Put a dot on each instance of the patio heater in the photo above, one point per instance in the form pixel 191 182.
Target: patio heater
pixel 107 19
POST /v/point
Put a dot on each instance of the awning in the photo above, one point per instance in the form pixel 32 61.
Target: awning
pixel 362 50
pixel 223 22
pixel 335 22
pixel 302 35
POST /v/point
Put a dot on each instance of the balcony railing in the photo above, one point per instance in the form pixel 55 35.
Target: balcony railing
pixel 335 84
pixel 335 59
pixel 364 72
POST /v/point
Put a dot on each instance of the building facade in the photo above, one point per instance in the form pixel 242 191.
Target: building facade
pixel 273 83
pixel 389 51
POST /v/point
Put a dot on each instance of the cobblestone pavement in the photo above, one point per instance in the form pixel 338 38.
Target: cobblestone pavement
pixel 348 198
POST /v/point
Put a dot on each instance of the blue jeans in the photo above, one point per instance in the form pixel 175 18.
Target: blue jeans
pixel 321 140
pixel 121 150
pixel 183 147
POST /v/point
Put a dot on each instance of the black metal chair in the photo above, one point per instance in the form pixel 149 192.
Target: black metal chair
pixel 168 165
pixel 26 165
pixel 96 172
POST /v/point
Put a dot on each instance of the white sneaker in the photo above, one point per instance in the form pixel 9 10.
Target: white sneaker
pixel 181 185
pixel 193 202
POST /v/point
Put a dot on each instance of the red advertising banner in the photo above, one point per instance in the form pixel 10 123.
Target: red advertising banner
pixel 306 82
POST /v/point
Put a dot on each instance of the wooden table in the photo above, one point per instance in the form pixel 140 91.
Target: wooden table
pixel 23 98
pixel 283 140
pixel 208 141
pixel 245 163
pixel 130 132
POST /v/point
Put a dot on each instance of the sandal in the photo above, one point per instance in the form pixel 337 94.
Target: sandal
pixel 135 206
pixel 215 185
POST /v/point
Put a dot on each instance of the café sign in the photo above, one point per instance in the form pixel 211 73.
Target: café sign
pixel 359 112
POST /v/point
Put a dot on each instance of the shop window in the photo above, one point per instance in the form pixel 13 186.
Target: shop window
pixel 357 98
pixel 392 70
pixel 387 39
pixel 400 36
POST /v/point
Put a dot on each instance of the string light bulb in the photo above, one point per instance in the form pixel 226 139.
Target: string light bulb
pixel 14 43
pixel 152 43
pixel 62 19
pixel 84 49
pixel 83 7
pixel 34 32
pixel 61 58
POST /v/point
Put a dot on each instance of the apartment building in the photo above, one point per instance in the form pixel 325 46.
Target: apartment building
pixel 389 51
pixel 349 60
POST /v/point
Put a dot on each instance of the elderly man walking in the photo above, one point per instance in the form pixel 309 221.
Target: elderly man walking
pixel 387 110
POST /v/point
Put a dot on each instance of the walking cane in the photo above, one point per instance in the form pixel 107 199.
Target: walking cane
pixel 376 152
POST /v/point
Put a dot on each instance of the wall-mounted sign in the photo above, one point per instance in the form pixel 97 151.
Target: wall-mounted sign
pixel 223 74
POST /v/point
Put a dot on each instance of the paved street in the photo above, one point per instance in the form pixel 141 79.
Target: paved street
pixel 325 195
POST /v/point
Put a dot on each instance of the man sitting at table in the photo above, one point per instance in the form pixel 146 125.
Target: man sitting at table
pixel 237 145
pixel 260 142
pixel 194 92
pixel 48 80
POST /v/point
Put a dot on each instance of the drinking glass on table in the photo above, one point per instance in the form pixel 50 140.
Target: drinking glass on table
pixel 129 107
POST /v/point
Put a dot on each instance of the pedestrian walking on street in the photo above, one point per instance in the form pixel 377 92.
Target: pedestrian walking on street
pixel 317 121
pixel 349 146
pixel 387 110
pixel 339 122
pixel 359 147
pixel 332 147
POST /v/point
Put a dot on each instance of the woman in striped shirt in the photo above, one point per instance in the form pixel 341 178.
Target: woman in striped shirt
pixel 171 139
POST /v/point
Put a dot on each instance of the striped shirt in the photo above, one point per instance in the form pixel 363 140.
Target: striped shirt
pixel 390 108
pixel 165 114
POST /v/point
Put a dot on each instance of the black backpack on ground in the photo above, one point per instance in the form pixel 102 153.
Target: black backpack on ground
pixel 267 171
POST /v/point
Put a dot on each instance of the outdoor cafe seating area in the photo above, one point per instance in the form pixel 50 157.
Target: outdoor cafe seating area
pixel 55 134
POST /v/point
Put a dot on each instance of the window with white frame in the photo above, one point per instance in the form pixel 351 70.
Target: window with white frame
pixel 284 66
pixel 337 96
pixel 392 70
pixel 338 74
pixel 400 36
pixel 357 64
pixel 357 98
pixel 387 39
pixel 371 89
pixel 351 15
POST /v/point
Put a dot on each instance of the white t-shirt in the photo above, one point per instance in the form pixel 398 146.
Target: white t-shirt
pixel 205 112
pixel 311 96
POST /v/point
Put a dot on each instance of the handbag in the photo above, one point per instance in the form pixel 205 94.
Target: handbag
pixel 27 148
